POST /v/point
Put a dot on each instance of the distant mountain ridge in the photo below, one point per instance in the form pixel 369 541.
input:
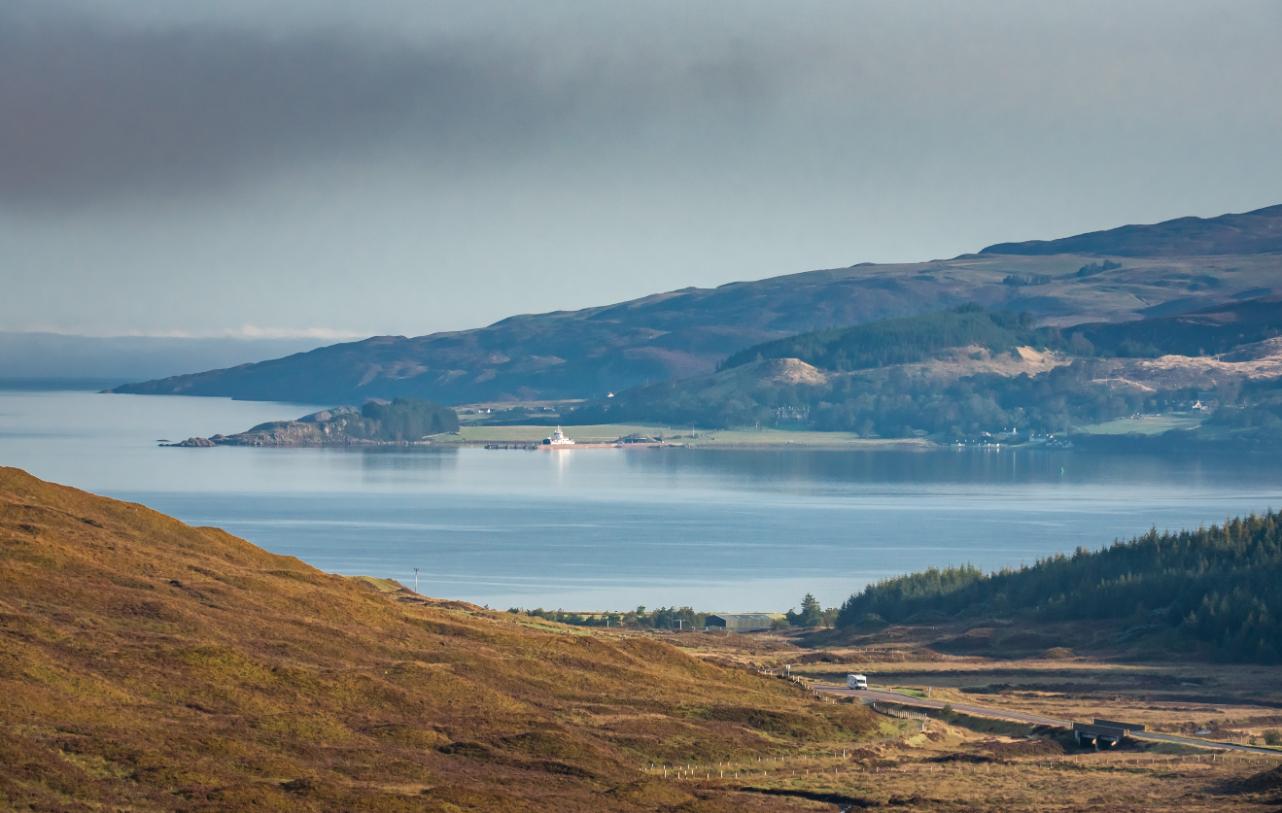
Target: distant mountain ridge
pixel 128 358
pixel 679 334
pixel 1255 232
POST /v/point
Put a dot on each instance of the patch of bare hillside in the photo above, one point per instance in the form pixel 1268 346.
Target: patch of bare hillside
pixel 1258 361
pixel 749 378
pixel 965 361
pixel 1262 360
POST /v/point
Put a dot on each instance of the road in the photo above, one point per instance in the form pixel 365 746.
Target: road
pixel 1020 717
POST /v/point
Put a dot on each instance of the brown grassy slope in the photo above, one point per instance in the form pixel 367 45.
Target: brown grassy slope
pixel 149 665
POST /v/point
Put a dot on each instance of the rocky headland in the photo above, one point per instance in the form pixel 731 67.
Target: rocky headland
pixel 403 422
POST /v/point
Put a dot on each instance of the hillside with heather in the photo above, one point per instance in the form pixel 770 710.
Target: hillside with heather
pixel 148 665
pixel 1116 276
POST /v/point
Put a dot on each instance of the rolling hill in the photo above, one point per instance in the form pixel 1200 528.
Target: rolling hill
pixel 1257 232
pixel 147 665
pixel 968 370
pixel 1161 269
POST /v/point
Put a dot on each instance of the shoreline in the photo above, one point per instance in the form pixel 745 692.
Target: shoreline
pixel 518 445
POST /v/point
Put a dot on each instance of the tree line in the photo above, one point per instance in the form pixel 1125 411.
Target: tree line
pixel 1218 588
pixel 404 419
pixel 900 341
pixel 892 403
pixel 663 618
pixel 812 614
pixel 882 399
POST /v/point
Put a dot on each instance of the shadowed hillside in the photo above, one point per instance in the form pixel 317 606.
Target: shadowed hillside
pixel 1206 331
pixel 148 665
pixel 591 352
pixel 900 341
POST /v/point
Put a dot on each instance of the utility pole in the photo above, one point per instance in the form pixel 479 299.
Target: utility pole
pixel 416 581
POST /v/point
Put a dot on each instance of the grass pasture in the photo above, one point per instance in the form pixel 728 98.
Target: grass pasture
pixel 1145 425
pixel 685 436
pixel 535 434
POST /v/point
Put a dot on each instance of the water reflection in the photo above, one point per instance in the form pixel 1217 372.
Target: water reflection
pixel 719 529
pixel 968 466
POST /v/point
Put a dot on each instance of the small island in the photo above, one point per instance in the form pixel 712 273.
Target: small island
pixel 403 422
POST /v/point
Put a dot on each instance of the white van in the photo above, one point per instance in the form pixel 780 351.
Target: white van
pixel 856 682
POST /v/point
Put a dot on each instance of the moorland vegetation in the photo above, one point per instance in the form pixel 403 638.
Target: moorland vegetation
pixel 147 665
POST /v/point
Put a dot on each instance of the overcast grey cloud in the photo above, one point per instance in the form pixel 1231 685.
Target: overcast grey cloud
pixel 409 167
pixel 96 111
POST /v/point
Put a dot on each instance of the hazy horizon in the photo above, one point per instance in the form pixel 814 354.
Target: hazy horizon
pixel 324 170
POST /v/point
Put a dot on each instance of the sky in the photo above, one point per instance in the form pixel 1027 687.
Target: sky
pixel 313 168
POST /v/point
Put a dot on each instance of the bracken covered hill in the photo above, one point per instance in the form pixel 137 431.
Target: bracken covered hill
pixel 148 665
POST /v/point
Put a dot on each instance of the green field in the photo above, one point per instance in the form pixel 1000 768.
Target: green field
pixel 748 436
pixel 534 434
pixel 605 433
pixel 1147 425
pixel 799 437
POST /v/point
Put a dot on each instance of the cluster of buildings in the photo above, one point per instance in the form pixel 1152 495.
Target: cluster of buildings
pixel 792 414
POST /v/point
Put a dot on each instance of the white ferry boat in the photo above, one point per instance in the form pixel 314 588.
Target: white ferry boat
pixel 558 439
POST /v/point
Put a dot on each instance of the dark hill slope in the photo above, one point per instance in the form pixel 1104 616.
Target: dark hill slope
pixel 586 353
pixel 1250 233
pixel 146 665
pixel 900 341
pixel 1206 331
